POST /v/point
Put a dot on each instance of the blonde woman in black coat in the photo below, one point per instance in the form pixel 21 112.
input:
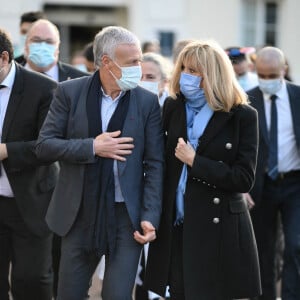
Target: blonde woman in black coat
pixel 205 247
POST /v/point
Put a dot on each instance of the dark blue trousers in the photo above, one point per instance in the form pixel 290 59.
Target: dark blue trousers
pixel 280 197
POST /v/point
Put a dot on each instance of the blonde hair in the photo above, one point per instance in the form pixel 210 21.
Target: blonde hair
pixel 221 87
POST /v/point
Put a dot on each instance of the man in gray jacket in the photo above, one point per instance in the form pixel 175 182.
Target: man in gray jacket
pixel 106 133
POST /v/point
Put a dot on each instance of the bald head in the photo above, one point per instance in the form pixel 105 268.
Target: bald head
pixel 42 38
pixel 270 63
pixel 44 30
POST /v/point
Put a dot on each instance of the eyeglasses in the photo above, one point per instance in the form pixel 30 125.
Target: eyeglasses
pixel 39 40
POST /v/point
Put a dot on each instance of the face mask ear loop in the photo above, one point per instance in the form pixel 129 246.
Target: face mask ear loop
pixel 113 75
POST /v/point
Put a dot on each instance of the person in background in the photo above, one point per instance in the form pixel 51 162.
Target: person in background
pixel 156 71
pixel 205 247
pixel 277 184
pixel 42 55
pixel 84 59
pixel 25 185
pixel 25 23
pixel 178 47
pixel 42 52
pixel 88 53
pixel 151 46
pixel 78 61
pixel 104 130
pixel 242 66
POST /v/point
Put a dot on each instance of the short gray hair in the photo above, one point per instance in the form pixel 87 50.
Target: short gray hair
pixel 163 64
pixel 107 40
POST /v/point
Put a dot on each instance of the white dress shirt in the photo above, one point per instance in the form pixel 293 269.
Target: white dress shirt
pixel 5 188
pixel 52 73
pixel 288 154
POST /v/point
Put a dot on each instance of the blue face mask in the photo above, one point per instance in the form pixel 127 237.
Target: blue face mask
pixel 190 88
pixel 151 86
pixel 243 81
pixel 22 41
pixel 42 54
pixel 130 78
pixel 270 86
pixel 81 67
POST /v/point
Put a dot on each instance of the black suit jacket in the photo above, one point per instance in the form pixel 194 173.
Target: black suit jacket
pixel 32 183
pixel 257 101
pixel 21 60
pixel 66 72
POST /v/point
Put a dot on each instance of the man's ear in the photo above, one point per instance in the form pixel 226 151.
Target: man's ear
pixel 5 58
pixel 285 69
pixel 105 60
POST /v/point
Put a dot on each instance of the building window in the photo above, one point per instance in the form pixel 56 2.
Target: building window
pixel 271 21
pixel 166 40
pixel 248 23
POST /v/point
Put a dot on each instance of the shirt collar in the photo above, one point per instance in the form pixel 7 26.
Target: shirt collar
pixel 52 73
pixel 10 78
pixel 107 96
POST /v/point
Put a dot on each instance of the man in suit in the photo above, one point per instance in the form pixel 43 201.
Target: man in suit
pixel 106 133
pixel 25 186
pixel 42 52
pixel 277 185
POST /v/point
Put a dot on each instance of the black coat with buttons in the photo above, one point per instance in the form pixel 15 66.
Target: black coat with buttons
pixel 219 249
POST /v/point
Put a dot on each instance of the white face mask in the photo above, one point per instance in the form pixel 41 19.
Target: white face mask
pixel 151 86
pixel 270 86
pixel 130 78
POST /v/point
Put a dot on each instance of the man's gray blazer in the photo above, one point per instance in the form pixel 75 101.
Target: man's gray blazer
pixel 64 137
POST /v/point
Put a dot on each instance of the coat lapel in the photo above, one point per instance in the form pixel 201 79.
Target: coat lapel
pixel 215 124
pixel 81 126
pixel 62 73
pixel 257 101
pixel 295 108
pixel 15 98
pixel 130 125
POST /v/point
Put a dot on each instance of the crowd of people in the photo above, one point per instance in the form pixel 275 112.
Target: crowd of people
pixel 183 175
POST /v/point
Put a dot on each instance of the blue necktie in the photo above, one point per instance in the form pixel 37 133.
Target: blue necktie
pixel 1 87
pixel 273 141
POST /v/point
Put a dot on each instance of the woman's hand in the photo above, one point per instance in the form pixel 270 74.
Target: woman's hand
pixel 185 152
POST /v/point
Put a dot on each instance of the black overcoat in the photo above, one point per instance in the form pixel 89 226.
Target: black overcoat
pixel 219 249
